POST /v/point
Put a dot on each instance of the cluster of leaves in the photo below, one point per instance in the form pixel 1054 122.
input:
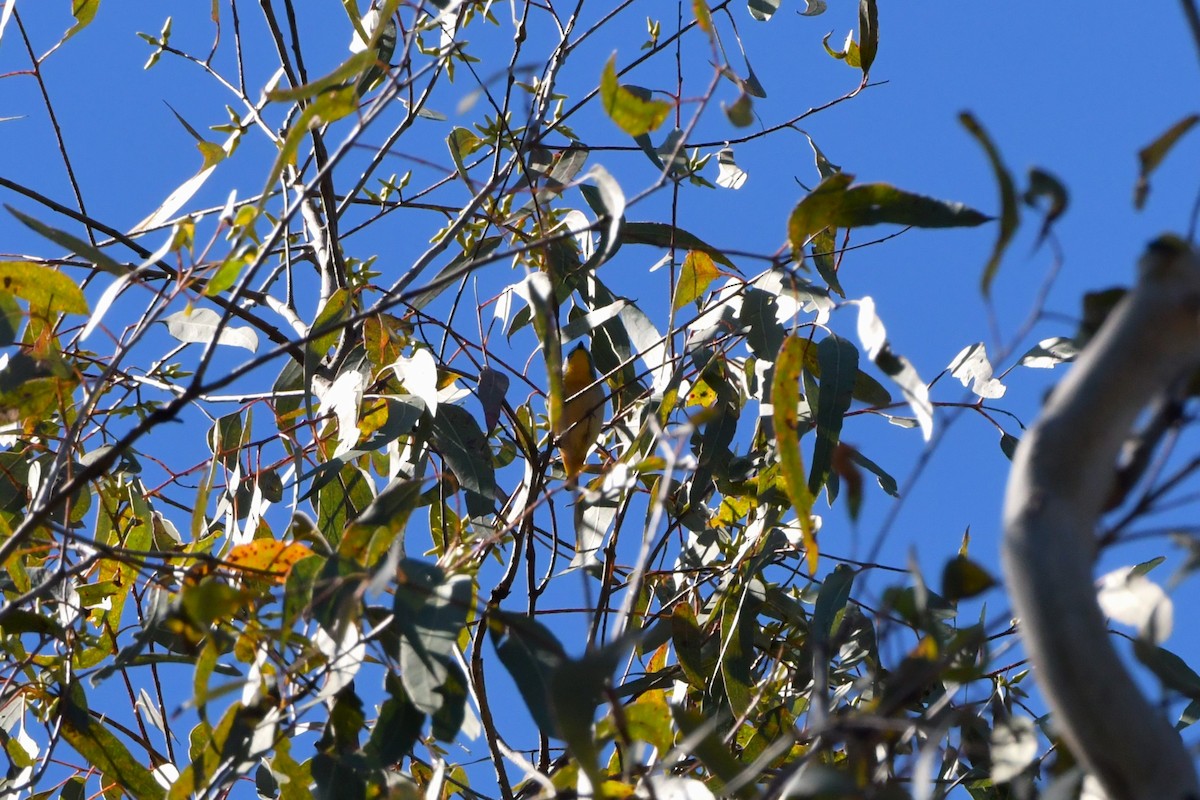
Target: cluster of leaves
pixel 368 547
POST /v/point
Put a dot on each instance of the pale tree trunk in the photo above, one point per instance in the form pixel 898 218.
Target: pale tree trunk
pixel 1062 474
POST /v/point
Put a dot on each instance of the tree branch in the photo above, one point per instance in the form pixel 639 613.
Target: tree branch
pixel 1062 474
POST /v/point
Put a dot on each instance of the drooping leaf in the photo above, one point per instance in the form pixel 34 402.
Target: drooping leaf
pixel 839 370
pixel 608 201
pixel 1010 214
pixel 1153 154
pixel 531 654
pixel 831 600
pixel 868 32
pixel 1169 668
pixel 1044 185
pixel 630 107
pixel 785 397
pixel 873 336
pixel 464 446
pixel 492 387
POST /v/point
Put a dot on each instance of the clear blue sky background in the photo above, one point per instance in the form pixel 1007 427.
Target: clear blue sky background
pixel 1074 88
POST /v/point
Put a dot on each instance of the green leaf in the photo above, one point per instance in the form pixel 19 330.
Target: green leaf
pixel 662 234
pixel 102 750
pixel 886 481
pixel 963 578
pixel 868 34
pixel 741 112
pixel 785 396
pixel 704 734
pixel 463 445
pixel 739 623
pixel 330 105
pixel 72 243
pixel 1009 211
pixel 835 203
pixel 831 601
pixel 1169 668
pixel 531 654
pixel 630 107
pixel 1153 154
pixel 46 289
pixel 1044 185
pixel 839 371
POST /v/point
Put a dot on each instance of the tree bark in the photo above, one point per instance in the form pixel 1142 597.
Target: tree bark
pixel 1062 474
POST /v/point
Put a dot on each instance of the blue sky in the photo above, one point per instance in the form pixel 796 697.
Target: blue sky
pixel 1073 88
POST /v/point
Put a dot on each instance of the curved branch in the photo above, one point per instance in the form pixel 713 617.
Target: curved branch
pixel 1062 474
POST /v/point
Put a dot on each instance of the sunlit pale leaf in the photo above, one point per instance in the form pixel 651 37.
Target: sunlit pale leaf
pixel 418 373
pixel 972 368
pixel 873 336
pixel 1049 353
pixel 1130 598
pixel 814 8
pixel 763 10
pixel 1014 747
pixel 729 175
pixel 202 325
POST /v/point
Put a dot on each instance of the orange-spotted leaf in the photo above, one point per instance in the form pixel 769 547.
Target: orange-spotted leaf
pixel 267 557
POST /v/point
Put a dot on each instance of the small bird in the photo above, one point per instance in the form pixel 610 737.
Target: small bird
pixel 578 428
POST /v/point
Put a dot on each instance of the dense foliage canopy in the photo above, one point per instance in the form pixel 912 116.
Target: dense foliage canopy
pixel 281 500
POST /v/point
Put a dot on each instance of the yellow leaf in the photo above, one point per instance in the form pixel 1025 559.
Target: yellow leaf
pixel 43 287
pixel 697 273
pixel 630 107
pixel 276 559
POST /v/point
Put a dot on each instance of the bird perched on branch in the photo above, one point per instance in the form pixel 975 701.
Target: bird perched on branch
pixel 578 427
